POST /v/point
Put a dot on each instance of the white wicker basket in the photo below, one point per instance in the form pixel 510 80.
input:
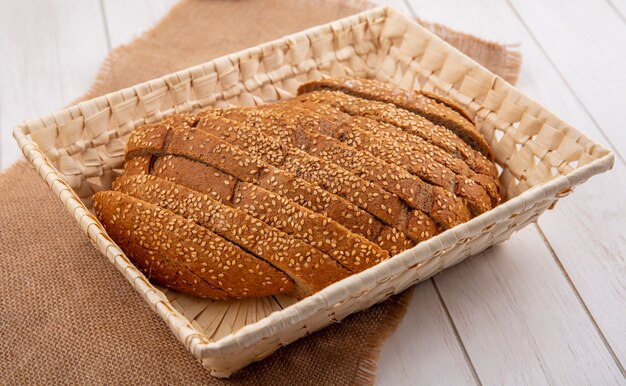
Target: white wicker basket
pixel 79 150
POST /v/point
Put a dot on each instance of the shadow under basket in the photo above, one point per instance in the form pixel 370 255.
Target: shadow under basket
pixel 79 151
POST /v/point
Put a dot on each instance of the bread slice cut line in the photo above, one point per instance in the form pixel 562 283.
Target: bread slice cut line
pixel 315 229
pixel 218 261
pixel 368 196
pixel 438 205
pixel 223 156
pixel 407 121
pixel 432 157
pixel 437 109
pixel 309 268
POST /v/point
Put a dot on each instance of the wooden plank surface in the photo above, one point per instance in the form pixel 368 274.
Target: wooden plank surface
pixel 520 321
pixel 425 348
pixel 586 229
pixel 620 7
pixel 426 344
pixel 51 52
pixel 516 314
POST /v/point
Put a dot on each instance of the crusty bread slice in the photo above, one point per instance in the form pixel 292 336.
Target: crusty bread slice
pixel 294 196
pixel 369 196
pixel 210 150
pixel 393 152
pixel 431 161
pixel 282 213
pixel 182 242
pixel 167 272
pixel 138 165
pixel 450 104
pixel 407 121
pixel 285 127
pixel 309 268
pixel 439 110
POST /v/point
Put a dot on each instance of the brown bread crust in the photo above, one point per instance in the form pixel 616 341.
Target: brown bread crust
pixel 364 134
pixel 182 242
pixel 450 104
pixel 316 229
pixel 210 150
pixel 286 127
pixel 370 197
pixel 168 273
pixel 407 121
pixel 394 152
pixel 293 196
pixel 309 268
pixel 138 165
pixel 440 111
pixel 433 160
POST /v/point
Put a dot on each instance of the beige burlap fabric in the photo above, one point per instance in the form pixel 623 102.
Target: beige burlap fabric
pixel 67 316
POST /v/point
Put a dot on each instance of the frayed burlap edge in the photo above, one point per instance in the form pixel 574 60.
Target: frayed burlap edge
pixel 366 373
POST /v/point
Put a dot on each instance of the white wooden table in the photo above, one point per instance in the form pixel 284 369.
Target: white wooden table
pixel 547 307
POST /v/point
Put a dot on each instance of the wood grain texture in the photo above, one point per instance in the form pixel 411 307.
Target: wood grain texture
pixel 471 17
pixel 52 51
pixel 424 346
pixel 520 320
pixel 591 245
pixel 128 19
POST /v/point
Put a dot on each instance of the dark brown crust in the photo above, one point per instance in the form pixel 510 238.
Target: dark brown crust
pixel 294 196
pixel 309 268
pixel 367 195
pixel 407 121
pixel 168 273
pixel 285 127
pixel 450 104
pixel 352 133
pixel 316 229
pixel 216 261
pixel 382 141
pixel 438 110
pixel 210 150
pixel 138 165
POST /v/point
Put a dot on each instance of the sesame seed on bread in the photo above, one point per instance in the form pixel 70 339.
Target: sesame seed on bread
pixel 290 197
pixel 391 152
pixel 166 272
pixel 407 121
pixel 392 178
pixel 287 126
pixel 278 211
pixel 364 134
pixel 309 268
pixel 179 240
pixel 138 165
pixel 435 108
pixel 205 148
pixel 369 196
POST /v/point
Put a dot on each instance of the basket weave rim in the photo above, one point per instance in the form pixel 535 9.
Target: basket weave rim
pixel 332 294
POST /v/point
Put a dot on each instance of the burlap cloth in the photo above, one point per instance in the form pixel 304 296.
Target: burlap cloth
pixel 67 316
